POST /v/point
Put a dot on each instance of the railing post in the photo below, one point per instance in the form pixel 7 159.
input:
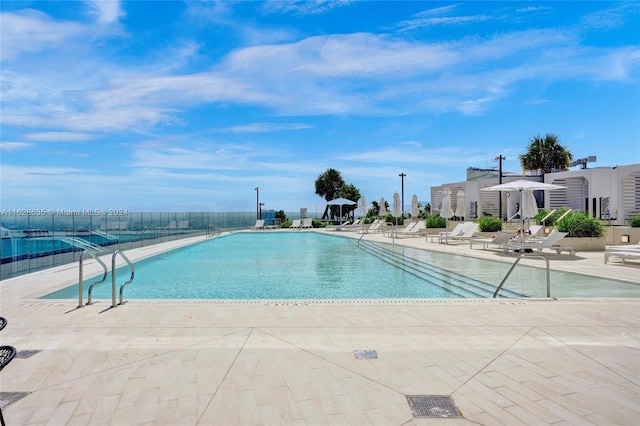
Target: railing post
pixel 113 279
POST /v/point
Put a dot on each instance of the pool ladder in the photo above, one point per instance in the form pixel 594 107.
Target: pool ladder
pixel 541 256
pixel 104 277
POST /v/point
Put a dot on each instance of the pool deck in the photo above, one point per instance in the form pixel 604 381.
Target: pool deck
pixel 501 361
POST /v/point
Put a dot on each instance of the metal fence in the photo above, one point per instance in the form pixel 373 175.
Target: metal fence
pixel 33 240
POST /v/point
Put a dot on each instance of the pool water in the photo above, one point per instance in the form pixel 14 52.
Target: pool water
pixel 308 265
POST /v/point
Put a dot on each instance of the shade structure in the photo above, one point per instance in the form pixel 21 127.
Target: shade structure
pixel 362 204
pixel 461 204
pixel 415 210
pixel 523 186
pixel 341 202
pixel 383 209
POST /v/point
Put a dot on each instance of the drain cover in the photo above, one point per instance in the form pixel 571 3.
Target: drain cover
pixel 7 398
pixel 432 406
pixel 366 354
pixel 27 353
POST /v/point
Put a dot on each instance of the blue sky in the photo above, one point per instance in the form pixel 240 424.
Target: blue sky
pixel 188 106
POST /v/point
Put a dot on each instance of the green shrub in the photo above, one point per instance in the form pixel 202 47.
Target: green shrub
pixel 490 224
pixel 435 221
pixel 286 224
pixel 580 224
pixel 634 221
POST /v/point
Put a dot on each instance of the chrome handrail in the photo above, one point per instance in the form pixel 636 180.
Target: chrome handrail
pixel 81 277
pixel 495 294
pixel 113 277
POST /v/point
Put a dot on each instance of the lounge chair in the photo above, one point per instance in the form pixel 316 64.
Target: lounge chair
pixel 622 252
pixel 534 230
pixel 549 242
pixel 501 238
pixel 296 223
pixel 405 229
pixel 259 224
pixel 307 223
pixel 365 228
pixel 417 230
pixel 457 230
pixel 468 231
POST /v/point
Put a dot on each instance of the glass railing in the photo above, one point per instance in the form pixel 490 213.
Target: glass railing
pixel 33 240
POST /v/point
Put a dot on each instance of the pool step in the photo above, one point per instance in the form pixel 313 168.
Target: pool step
pixel 457 284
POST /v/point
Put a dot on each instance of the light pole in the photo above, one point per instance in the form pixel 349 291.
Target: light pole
pixel 257 203
pixel 500 158
pixel 402 175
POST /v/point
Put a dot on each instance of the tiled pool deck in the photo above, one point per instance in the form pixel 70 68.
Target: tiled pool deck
pixel 503 361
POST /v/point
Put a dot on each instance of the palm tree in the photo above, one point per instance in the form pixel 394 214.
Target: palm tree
pixel 328 185
pixel 545 155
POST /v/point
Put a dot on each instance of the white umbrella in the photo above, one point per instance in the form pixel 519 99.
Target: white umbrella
pixel 363 205
pixel 415 210
pixel 446 211
pixel 529 206
pixel 523 186
pixel 397 207
pixel 383 209
pixel 341 202
pixel 461 205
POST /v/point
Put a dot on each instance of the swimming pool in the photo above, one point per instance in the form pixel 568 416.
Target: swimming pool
pixel 309 265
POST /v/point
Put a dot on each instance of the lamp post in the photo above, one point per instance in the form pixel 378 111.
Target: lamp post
pixel 500 158
pixel 257 203
pixel 402 175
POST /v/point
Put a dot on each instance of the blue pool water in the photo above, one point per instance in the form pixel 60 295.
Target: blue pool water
pixel 307 265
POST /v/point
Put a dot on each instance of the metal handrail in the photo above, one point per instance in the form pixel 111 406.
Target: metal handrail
pixel 495 294
pixel 81 277
pixel 113 277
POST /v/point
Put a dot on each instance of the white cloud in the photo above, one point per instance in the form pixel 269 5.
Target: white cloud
pixel 106 11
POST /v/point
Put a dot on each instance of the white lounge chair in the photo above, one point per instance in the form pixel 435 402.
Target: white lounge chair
pixel 295 224
pixel 405 229
pixel 501 238
pixel 549 242
pixel 457 230
pixel 417 230
pixel 307 223
pixel 259 224
pixel 468 231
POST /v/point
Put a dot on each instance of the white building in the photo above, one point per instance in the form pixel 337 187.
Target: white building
pixel 608 193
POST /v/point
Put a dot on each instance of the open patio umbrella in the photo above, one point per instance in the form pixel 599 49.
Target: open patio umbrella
pixel 523 186
pixel 341 202
pixel 383 209
pixel 461 205
pixel 446 211
pixel 415 210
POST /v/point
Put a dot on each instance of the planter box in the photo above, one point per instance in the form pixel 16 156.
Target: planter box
pixel 584 244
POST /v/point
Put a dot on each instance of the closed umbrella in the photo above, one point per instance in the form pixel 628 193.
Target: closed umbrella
pixel 446 211
pixel 461 205
pixel 397 207
pixel 383 209
pixel 415 210
pixel 363 205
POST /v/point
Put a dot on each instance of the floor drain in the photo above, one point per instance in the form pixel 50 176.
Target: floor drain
pixel 27 353
pixel 366 354
pixel 7 398
pixel 432 406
